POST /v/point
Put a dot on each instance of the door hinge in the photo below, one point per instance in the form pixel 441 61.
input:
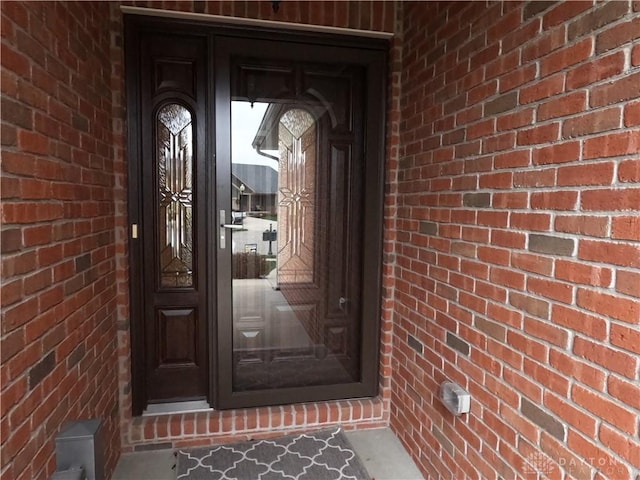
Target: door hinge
pixel 134 230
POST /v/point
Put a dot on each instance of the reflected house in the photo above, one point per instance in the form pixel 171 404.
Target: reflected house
pixel 290 336
pixel 289 134
pixel 260 188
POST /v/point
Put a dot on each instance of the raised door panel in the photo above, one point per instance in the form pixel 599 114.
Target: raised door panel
pixel 177 334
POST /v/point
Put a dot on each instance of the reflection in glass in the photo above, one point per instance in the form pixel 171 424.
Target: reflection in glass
pixel 297 145
pixel 175 188
pixel 282 336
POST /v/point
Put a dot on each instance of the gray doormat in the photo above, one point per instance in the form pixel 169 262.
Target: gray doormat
pixel 320 455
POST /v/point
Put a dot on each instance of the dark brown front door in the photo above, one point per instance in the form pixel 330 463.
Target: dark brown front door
pixel 257 176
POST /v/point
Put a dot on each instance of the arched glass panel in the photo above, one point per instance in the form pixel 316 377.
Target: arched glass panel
pixel 174 137
pixel 296 197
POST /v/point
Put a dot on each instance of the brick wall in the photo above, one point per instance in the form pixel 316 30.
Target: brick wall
pixel 58 246
pixel 518 262
pixel 511 243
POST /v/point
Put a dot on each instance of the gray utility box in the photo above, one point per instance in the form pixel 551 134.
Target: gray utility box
pixel 75 473
pixel 80 444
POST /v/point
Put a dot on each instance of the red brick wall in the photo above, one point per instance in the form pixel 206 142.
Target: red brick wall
pixel 517 245
pixel 58 243
pixel 364 15
pixel 511 218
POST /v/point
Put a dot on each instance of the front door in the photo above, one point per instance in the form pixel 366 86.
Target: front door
pixel 258 162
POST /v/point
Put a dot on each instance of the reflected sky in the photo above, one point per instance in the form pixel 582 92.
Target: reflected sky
pixel 245 121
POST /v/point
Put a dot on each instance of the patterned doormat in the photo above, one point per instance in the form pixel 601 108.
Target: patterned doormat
pixel 321 455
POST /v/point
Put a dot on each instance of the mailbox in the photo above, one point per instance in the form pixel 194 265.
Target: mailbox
pixel 269 235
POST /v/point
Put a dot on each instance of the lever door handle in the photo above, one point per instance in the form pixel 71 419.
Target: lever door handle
pixel 222 232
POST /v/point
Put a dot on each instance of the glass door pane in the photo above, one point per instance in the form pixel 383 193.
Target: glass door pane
pixel 299 192
pixel 283 331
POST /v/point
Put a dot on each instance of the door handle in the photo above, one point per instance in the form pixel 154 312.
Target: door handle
pixel 222 231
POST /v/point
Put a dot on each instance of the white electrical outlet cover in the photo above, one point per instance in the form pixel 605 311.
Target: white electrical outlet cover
pixel 455 398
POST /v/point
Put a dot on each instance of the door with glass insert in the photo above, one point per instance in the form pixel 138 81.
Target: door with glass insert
pixel 292 206
pixel 255 203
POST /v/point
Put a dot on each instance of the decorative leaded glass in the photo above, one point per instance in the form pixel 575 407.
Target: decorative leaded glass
pixel 175 188
pixel 296 197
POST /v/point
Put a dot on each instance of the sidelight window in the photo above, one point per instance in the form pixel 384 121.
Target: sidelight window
pixel 174 134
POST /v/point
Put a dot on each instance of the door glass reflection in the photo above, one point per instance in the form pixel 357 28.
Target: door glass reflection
pixel 282 336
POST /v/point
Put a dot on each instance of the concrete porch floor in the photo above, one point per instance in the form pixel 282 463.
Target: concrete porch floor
pixel 379 450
